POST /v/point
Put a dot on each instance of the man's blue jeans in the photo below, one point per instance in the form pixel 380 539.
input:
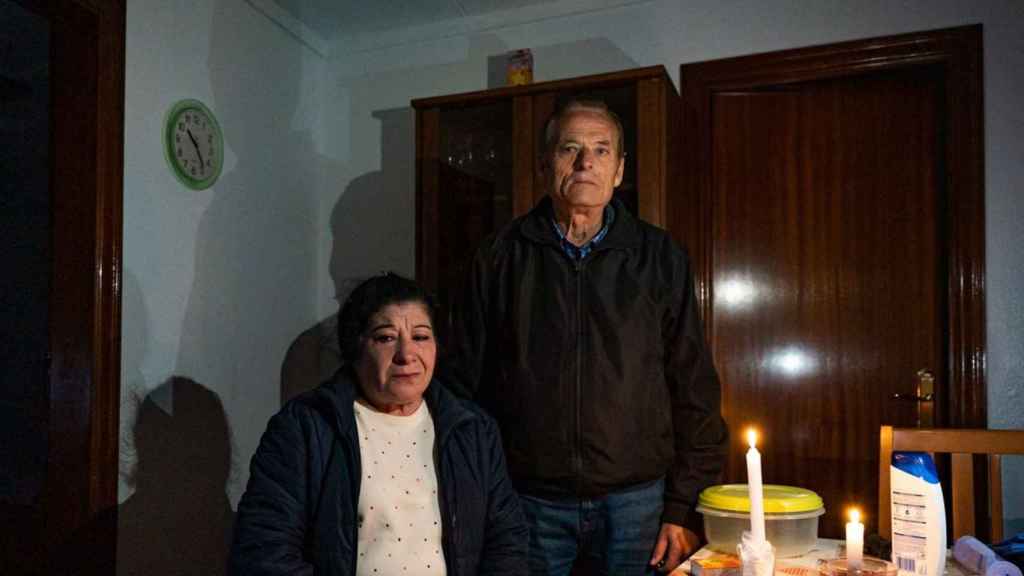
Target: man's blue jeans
pixel 616 533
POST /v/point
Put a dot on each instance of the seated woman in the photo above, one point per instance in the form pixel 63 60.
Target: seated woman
pixel 380 470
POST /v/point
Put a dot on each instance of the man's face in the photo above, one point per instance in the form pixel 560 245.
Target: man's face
pixel 583 167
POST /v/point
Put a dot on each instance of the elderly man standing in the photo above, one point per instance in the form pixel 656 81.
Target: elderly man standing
pixel 579 332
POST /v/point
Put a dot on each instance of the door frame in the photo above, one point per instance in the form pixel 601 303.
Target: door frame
pixel 87 59
pixel 105 421
pixel 962 404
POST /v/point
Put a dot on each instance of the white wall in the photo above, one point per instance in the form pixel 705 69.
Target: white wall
pixel 218 282
pixel 372 79
pixel 318 186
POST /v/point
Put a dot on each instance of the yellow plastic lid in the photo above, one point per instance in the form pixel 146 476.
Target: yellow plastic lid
pixel 777 499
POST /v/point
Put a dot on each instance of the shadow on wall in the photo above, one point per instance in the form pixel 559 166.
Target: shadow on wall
pixel 311 359
pixel 255 250
pixel 373 221
pixel 179 519
pixel 580 58
pixel 369 223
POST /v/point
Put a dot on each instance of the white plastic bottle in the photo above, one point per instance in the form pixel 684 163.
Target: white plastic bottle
pixel 918 515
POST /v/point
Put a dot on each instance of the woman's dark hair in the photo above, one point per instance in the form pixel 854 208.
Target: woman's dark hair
pixel 370 297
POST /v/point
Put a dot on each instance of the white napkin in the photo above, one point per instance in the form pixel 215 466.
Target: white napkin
pixel 758 558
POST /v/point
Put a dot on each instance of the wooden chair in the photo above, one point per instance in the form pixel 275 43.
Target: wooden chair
pixel 962 444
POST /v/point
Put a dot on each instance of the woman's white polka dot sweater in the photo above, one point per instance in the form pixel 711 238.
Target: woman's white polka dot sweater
pixel 399 510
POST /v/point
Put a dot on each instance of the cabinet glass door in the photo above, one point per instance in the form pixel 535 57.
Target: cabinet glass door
pixel 475 186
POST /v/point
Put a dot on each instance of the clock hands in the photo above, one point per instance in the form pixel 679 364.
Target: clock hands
pixel 196 145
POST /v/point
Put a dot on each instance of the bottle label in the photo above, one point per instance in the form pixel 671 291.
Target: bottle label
pixel 909 533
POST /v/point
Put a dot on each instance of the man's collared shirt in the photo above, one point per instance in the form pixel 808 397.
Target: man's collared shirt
pixel 577 253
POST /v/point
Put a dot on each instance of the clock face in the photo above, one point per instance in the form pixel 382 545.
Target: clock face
pixel 193 146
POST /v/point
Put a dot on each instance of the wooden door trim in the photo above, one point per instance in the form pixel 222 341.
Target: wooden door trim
pixel 104 349
pixel 105 419
pixel 959 52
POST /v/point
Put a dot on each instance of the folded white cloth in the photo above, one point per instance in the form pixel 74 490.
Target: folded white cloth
pixel 758 558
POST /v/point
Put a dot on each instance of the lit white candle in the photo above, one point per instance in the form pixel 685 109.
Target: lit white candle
pixel 854 541
pixel 755 487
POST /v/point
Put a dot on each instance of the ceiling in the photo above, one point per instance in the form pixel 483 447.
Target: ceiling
pixel 330 18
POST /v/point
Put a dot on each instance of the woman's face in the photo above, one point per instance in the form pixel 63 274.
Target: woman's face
pixel 397 360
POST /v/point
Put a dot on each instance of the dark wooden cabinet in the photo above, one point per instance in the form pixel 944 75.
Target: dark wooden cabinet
pixel 477 160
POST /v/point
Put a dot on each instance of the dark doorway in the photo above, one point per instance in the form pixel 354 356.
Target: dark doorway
pixel 61 115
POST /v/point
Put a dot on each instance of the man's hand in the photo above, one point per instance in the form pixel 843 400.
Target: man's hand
pixel 675 544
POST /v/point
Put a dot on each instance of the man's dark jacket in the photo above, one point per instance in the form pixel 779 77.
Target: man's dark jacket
pixel 597 371
pixel 298 515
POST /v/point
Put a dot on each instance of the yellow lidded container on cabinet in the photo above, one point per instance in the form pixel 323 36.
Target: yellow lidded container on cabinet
pixel 790 513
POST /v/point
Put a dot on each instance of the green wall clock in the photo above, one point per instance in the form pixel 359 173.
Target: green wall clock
pixel 193 144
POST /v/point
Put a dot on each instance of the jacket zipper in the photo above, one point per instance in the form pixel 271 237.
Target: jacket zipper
pixel 578 456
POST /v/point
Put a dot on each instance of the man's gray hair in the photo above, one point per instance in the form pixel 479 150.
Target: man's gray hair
pixel 575 105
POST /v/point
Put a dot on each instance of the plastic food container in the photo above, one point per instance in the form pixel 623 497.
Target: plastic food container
pixel 790 513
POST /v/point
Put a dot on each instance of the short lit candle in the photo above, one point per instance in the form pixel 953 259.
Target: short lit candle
pixel 755 487
pixel 854 541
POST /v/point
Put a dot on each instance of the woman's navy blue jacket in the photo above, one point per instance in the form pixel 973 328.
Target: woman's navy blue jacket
pixel 298 514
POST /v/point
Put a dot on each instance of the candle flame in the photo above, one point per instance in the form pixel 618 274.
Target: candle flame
pixel 752 437
pixel 854 515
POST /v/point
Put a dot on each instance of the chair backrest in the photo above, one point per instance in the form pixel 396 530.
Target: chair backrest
pixel 962 444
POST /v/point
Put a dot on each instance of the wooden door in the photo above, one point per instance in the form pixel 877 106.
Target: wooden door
pixel 825 290
pixel 834 227
pixel 62 91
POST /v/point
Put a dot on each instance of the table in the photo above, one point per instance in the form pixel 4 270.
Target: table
pixel 806 565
